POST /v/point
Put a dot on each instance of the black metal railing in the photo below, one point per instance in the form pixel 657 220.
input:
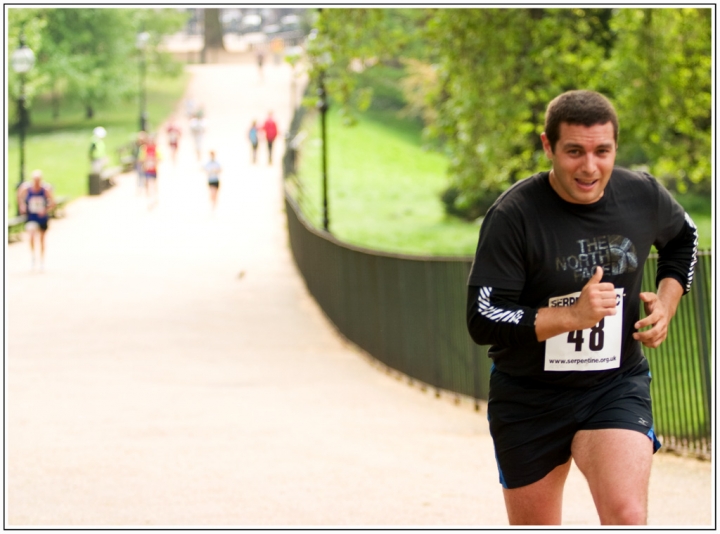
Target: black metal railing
pixel 409 313
pixel 681 368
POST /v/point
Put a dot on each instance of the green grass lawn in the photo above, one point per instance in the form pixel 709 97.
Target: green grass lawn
pixel 384 188
pixel 60 147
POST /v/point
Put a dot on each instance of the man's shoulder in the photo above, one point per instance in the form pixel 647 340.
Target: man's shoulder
pixel 636 176
pixel 636 181
pixel 526 190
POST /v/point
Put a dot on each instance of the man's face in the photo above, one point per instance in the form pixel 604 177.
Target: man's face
pixel 582 162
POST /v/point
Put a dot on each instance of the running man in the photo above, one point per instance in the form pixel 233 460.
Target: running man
pixel 213 170
pixel 260 58
pixel 555 289
pixel 271 131
pixel 173 137
pixel 150 158
pixel 35 200
pixel 197 129
pixel 140 141
pixel 253 136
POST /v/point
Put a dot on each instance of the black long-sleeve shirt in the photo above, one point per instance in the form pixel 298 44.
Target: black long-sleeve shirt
pixel 537 250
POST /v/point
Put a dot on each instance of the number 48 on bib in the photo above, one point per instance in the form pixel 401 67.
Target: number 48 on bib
pixel 592 349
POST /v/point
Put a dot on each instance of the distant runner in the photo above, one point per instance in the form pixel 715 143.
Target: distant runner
pixel 197 129
pixel 253 136
pixel 271 131
pixel 213 170
pixel 150 158
pixel 173 136
pixel 35 200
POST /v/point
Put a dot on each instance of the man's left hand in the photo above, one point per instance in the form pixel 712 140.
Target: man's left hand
pixel 657 318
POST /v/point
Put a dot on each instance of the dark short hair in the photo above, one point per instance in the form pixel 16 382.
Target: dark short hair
pixel 587 108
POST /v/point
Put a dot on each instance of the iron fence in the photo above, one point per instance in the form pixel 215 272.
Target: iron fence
pixel 409 313
pixel 681 369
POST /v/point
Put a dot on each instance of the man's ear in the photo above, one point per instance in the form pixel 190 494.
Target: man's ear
pixel 546 145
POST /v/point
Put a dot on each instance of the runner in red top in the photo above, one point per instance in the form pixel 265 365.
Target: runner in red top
pixel 271 131
pixel 150 157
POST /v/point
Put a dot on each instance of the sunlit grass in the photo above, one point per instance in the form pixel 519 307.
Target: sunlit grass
pixel 60 148
pixel 383 188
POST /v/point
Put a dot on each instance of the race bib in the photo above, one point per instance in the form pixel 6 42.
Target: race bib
pixel 593 349
pixel 36 205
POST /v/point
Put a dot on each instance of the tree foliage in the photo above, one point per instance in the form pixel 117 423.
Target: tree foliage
pixel 90 54
pixel 481 79
pixel 660 72
pixel 498 70
pixel 346 41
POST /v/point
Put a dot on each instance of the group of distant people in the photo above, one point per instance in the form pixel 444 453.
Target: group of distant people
pixel 213 168
pixel 270 129
pixel 35 197
pixel 147 154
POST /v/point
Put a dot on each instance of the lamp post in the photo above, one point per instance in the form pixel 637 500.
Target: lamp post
pixel 141 44
pixel 22 60
pixel 323 107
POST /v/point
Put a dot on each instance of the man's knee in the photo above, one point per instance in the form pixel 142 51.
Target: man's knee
pixel 626 511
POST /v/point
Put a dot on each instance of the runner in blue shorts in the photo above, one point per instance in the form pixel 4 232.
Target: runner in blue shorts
pixel 555 289
pixel 35 201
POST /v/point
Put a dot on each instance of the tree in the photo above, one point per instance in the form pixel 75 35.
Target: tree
pixel 29 24
pixel 497 70
pixel 661 68
pixel 85 53
pixel 213 29
pixel 347 41
pixel 89 54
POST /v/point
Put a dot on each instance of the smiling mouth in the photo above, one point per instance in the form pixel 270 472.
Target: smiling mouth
pixel 586 184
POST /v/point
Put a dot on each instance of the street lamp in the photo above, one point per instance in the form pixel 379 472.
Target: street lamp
pixel 22 60
pixel 141 45
pixel 323 106
pixel 323 61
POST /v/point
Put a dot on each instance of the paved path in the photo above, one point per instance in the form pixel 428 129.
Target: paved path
pixel 149 383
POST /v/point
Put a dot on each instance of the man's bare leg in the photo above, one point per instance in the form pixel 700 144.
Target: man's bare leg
pixel 539 503
pixel 41 239
pixel 31 235
pixel 616 464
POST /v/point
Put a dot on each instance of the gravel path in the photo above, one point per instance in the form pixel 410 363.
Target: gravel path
pixel 169 369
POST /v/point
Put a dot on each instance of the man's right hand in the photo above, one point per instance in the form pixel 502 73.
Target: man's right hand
pixel 597 300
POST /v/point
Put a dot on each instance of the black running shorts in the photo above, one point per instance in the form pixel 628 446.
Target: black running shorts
pixel 42 224
pixel 533 424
